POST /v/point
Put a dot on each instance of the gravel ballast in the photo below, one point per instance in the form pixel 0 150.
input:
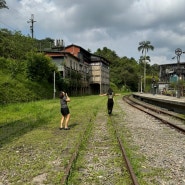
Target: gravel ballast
pixel 163 147
pixel 102 159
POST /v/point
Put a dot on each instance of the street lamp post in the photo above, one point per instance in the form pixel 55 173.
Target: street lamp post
pixel 144 74
pixel 178 52
pixel 153 86
pixel 141 85
pixel 54 89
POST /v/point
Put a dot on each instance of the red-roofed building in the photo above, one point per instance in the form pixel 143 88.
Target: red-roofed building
pixel 74 62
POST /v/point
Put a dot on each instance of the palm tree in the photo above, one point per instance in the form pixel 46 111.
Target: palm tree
pixel 3 4
pixel 144 46
pixel 142 58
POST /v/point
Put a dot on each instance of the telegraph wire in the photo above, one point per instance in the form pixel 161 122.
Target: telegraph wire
pixel 7 26
pixel 17 15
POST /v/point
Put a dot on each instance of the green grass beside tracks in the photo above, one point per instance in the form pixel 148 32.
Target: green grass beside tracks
pixel 32 148
pixel 34 151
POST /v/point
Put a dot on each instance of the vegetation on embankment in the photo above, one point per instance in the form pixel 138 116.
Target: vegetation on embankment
pixel 22 90
pixel 24 81
pixel 25 74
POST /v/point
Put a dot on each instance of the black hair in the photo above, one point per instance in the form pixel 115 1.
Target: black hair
pixel 61 95
pixel 110 91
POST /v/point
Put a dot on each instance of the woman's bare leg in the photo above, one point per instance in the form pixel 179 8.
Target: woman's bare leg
pixel 67 120
pixel 61 122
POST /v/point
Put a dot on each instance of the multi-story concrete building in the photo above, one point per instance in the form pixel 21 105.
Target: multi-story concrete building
pixel 99 74
pixel 88 73
pixel 171 73
pixel 168 72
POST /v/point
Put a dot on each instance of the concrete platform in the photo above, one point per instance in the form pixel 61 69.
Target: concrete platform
pixel 168 102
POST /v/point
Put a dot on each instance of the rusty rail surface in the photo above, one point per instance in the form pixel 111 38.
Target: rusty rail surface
pixel 125 158
pixel 72 159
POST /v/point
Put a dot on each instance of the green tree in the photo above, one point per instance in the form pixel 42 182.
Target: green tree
pixel 129 71
pixel 143 63
pixel 3 4
pixel 89 50
pixel 45 44
pixel 14 45
pixel 144 46
pixel 107 53
pixel 39 67
pixel 123 71
pixel 12 67
pixel 151 70
pixel 142 58
pixel 154 69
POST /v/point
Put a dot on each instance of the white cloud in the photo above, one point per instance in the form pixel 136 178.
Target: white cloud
pixel 119 25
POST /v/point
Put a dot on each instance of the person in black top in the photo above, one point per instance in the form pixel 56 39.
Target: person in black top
pixel 110 102
pixel 64 99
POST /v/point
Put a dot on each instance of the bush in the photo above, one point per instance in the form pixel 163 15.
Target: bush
pixel 21 89
pixel 16 87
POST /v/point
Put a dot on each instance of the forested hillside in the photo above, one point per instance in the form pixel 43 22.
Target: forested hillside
pixel 27 75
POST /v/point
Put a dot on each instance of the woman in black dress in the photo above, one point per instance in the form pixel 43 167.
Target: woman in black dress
pixel 110 102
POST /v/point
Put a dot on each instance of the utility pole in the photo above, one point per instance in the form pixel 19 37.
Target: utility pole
pixel 32 22
pixel 54 89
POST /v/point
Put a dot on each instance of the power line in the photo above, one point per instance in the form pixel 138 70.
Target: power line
pixel 7 26
pixel 32 22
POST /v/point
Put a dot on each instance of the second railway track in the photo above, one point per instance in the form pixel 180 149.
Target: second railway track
pixel 171 119
pixel 99 161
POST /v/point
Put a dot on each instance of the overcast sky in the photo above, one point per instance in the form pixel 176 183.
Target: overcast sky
pixel 116 24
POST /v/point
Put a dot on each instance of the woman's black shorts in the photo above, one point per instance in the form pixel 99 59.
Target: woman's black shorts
pixel 65 111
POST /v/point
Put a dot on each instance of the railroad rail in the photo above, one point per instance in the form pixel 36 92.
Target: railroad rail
pixel 166 102
pixel 126 162
pixel 170 118
pixel 125 158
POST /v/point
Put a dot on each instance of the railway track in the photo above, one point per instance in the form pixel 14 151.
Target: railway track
pixel 158 143
pixel 97 159
pixel 99 149
pixel 100 161
pixel 169 118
